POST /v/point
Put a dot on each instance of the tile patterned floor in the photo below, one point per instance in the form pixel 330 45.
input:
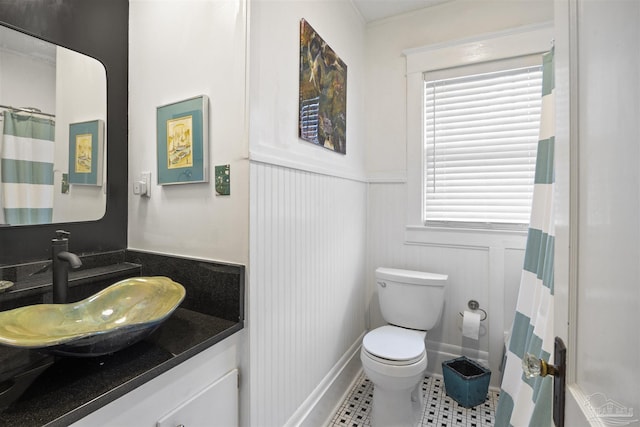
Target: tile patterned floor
pixel 440 410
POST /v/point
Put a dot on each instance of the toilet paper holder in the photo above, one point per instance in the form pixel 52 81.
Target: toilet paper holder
pixel 475 305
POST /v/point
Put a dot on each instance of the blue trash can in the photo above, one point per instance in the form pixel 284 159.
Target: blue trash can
pixel 466 381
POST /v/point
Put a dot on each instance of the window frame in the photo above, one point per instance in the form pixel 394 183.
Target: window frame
pixel 486 48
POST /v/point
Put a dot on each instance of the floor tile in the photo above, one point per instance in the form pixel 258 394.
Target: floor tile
pixel 439 410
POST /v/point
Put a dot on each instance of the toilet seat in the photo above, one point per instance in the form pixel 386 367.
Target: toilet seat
pixel 393 345
pixel 391 362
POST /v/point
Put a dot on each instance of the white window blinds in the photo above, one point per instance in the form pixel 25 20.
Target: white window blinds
pixel 481 137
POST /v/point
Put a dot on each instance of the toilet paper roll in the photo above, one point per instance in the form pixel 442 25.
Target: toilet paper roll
pixel 471 325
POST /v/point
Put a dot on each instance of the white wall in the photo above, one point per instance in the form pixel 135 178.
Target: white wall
pixel 306 296
pixel 484 267
pixel 81 95
pixel 385 77
pixel 308 212
pixel 28 81
pixel 177 50
pixel 274 68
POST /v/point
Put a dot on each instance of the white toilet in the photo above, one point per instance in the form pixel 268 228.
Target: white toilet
pixel 394 356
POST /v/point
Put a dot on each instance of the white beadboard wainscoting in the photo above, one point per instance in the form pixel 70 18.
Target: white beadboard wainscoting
pixel 307 290
pixel 484 266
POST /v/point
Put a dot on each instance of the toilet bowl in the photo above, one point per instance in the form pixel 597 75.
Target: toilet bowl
pixel 395 360
pixel 394 356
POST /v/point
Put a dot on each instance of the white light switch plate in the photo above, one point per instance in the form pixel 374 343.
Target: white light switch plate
pixel 142 186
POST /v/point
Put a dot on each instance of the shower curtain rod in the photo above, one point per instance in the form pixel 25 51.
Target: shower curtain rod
pixel 31 110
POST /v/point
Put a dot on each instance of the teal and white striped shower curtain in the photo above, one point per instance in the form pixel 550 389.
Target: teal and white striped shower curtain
pixel 523 401
pixel 26 168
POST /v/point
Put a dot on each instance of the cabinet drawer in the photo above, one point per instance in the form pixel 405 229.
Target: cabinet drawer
pixel 215 405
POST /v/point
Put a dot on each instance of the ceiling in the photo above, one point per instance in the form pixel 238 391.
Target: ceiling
pixel 373 10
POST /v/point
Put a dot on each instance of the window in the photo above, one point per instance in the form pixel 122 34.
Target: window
pixel 512 49
pixel 480 140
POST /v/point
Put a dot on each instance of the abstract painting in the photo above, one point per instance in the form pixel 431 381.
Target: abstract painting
pixel 323 92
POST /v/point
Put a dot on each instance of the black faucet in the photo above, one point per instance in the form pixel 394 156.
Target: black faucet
pixel 61 260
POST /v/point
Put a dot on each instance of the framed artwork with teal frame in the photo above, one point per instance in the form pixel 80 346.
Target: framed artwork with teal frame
pixel 182 141
pixel 86 141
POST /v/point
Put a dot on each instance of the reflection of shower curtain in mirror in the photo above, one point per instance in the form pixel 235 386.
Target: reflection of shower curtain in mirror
pixel 26 170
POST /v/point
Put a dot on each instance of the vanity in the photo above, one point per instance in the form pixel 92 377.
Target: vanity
pixel 186 368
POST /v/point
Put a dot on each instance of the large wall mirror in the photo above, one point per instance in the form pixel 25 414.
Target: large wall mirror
pixel 53 110
pixel 90 39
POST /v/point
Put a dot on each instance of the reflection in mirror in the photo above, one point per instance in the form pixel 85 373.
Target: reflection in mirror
pixel 53 107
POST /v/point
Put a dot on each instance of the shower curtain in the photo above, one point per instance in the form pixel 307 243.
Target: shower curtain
pixel 523 401
pixel 26 169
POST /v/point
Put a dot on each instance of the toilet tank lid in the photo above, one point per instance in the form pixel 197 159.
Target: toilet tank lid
pixel 409 276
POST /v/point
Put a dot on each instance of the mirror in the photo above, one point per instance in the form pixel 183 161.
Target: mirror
pixel 53 111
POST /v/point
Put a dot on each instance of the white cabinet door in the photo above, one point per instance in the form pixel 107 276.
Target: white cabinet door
pixel 216 405
pixel 156 399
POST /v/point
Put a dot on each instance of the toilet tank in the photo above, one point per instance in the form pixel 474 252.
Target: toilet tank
pixel 411 299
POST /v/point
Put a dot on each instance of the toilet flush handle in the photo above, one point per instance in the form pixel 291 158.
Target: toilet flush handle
pixel 382 284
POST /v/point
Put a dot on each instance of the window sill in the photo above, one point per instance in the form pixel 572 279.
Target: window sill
pixel 465 237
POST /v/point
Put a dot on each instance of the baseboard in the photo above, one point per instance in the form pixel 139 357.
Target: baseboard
pixel 327 396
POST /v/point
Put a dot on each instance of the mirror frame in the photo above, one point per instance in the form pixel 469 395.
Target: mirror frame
pixel 100 29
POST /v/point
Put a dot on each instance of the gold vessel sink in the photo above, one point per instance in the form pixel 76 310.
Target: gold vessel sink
pixel 114 318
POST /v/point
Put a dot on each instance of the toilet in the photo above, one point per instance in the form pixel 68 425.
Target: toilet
pixel 393 356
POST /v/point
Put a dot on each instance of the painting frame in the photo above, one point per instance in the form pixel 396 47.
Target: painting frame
pixel 322 108
pixel 86 142
pixel 182 135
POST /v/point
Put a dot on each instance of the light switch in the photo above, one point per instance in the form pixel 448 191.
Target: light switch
pixel 142 186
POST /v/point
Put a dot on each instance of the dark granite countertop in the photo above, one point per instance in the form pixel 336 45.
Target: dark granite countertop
pixel 68 389
pixel 72 388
